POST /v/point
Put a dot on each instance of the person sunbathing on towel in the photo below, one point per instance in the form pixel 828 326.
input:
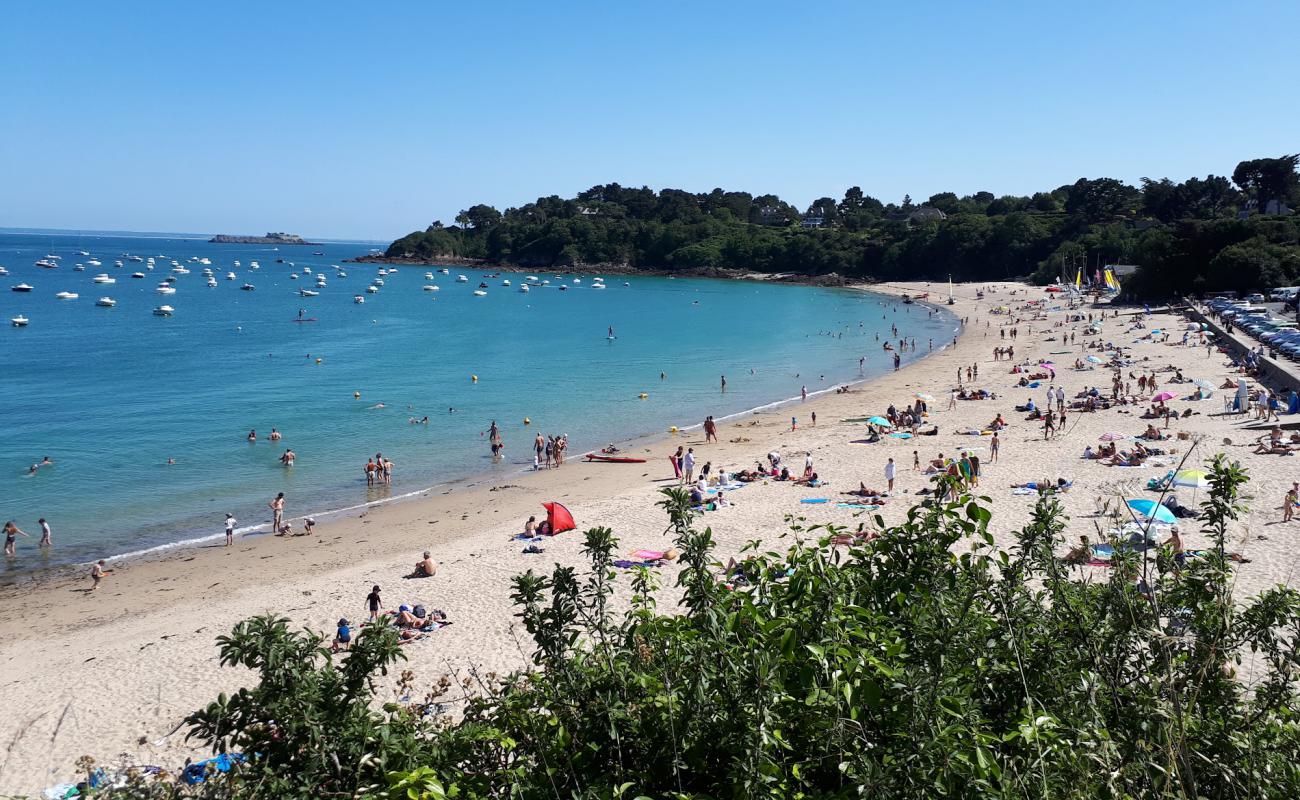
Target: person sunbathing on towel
pixel 406 618
pixel 998 423
pixel 810 479
pixel 863 491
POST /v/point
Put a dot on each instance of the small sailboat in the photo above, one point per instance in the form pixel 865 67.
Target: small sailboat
pixel 951 300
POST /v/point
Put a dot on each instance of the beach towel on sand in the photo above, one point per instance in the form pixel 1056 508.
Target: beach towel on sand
pixel 815 500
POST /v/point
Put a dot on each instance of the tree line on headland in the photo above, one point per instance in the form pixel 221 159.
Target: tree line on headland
pixel 1203 234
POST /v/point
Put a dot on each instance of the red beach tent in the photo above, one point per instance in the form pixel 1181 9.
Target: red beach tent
pixel 559 518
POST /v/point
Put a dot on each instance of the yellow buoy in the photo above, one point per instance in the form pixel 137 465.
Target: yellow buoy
pixel 527 421
pixel 643 395
pixel 673 429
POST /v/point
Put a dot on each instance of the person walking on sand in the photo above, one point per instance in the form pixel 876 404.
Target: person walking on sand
pixel 47 538
pixel 277 512
pixel 97 573
pixel 11 532
pixel 1289 504
pixel 916 461
pixel 373 602
pixel 890 469
pixel 230 529
pixel 995 444
pixel 688 465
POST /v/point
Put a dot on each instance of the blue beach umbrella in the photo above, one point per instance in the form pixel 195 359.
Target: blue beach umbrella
pixel 1150 509
pixel 879 421
pixel 1094 360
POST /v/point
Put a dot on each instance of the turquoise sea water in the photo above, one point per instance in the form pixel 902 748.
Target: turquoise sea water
pixel 110 394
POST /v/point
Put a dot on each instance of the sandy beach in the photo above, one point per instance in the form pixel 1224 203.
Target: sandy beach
pixel 114 671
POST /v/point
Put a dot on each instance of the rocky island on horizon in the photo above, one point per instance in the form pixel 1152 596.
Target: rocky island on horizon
pixel 269 238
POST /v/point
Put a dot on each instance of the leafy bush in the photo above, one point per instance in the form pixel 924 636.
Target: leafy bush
pixel 925 662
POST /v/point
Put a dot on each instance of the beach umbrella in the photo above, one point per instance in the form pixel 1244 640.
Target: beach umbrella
pixel 1204 384
pixel 925 398
pixel 1192 478
pixel 1094 359
pixel 880 421
pixel 1163 396
pixel 1112 437
pixel 1150 509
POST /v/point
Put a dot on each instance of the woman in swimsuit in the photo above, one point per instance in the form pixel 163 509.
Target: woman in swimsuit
pixel 11 532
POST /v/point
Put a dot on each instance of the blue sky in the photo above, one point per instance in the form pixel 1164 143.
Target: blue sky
pixel 372 119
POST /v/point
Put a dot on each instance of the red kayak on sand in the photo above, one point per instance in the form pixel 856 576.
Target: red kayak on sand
pixel 614 459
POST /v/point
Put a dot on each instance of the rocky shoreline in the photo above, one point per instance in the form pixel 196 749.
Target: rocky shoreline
pixel 830 279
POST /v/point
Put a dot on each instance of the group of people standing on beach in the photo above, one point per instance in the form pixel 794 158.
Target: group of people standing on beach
pixel 548 451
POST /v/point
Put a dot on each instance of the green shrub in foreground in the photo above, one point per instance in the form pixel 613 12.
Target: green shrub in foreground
pixel 924 663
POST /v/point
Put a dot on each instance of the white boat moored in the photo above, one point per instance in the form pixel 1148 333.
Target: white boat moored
pixel 163 311
pixel 106 302
pixel 19 321
pixel 67 295
pixel 104 277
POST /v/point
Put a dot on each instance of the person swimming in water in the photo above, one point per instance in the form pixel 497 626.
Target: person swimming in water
pixel 252 436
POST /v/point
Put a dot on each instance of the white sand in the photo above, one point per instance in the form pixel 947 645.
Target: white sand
pixel 115 671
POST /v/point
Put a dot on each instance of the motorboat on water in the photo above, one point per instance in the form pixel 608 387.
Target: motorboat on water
pixel 372 289
pixel 83 252
pixel 248 287
pixel 444 271
pixel 79 268
pixel 342 274
pixel 461 279
pixel 306 270
pixel 358 298
pixel 67 295
pixel 19 321
pixel 430 287
pixel 163 311
pixel 104 277
pixel 230 276
pixel 563 288
pixel 378 281
pixel 293 276
pixel 428 276
pixel 137 275
pixel 480 293
pixel 94 262
pixel 136 259
pixel 3 271
pixel 166 288
pixel 212 282
pixel 46 264
pixel 308 293
pixel 106 302
pixel 523 287
pixel 505 282
pixel 22 287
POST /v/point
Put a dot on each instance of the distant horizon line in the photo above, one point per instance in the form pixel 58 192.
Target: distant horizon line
pixel 164 234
